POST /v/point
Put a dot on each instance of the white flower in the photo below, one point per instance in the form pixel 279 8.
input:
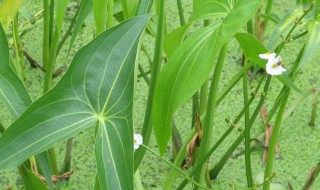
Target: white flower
pixel 137 141
pixel 274 64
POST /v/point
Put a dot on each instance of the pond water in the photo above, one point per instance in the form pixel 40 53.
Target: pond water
pixel 299 142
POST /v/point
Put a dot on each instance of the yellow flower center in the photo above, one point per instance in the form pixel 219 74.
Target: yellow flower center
pixel 134 140
pixel 274 66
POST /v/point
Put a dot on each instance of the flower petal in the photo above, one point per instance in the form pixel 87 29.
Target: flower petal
pixel 267 55
pixel 138 140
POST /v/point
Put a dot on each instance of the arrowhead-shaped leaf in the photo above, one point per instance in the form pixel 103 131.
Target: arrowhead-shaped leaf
pixel 96 90
pixel 190 65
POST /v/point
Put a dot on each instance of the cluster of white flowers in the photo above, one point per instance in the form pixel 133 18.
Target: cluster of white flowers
pixel 137 141
pixel 274 64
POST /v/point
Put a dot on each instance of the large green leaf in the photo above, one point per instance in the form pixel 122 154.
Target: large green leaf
pixel 96 90
pixel 190 65
pixel 12 91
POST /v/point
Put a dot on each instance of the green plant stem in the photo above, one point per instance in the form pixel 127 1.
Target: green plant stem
pixel 210 114
pixel 155 69
pixel 52 62
pixel 247 128
pixel 223 137
pixel 175 167
pixel 267 11
pixel 46 33
pixel 195 108
pixel 217 168
pixel 273 142
pixel 68 32
pixel 67 158
pixel 279 48
pixel 145 51
pixel 217 144
pixel 204 97
pixel 181 16
pixel 250 27
pixel 110 14
pixel 51 22
pixel 144 75
pixel 314 106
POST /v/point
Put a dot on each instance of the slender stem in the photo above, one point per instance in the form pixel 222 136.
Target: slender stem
pixel 210 113
pixel 68 32
pixel 267 11
pixel 217 168
pixel 247 128
pixel 314 106
pixel 297 23
pixel 52 62
pixel 67 158
pixel 155 69
pixel 46 33
pixel 250 27
pixel 231 84
pixel 204 97
pixel 110 14
pixel 51 22
pixel 145 51
pixel 144 75
pixel 195 108
pixel 273 142
pixel 175 167
pixel 181 16
pixel 221 139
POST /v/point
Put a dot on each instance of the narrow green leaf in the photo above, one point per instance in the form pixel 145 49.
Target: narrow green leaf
pixel 12 91
pixel 252 47
pixel 98 87
pixel 60 12
pixel 190 65
pixel 129 8
pixel 144 7
pixel 85 9
pixel 43 162
pixel 100 13
pixel 31 181
pixel 212 9
pixel 173 40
